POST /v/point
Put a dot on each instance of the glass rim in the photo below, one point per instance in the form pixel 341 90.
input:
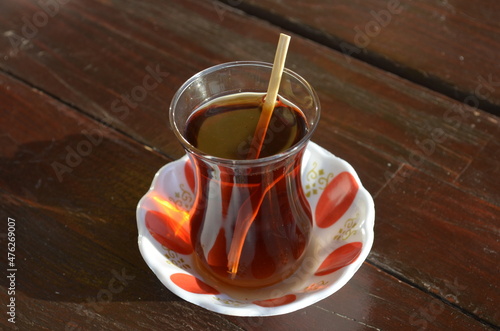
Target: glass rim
pixel 259 161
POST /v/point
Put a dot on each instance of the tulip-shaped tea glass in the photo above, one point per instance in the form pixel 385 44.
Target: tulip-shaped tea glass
pixel 250 223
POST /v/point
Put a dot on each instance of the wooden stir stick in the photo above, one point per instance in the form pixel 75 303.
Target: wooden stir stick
pixel 243 224
pixel 270 100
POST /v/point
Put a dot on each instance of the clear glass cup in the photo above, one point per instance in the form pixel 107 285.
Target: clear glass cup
pixel 250 223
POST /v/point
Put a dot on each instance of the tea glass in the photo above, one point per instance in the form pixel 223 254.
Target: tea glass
pixel 250 224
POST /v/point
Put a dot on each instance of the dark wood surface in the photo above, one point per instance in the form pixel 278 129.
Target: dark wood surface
pixel 433 42
pixel 430 160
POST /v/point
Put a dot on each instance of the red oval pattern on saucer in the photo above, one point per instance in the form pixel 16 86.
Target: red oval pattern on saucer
pixel 336 199
pixel 166 231
pixel 339 258
pixel 192 284
pixel 284 300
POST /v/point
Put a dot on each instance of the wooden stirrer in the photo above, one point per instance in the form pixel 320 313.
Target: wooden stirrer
pixel 243 224
pixel 270 100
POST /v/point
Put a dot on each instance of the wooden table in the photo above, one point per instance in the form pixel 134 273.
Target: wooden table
pixel 410 92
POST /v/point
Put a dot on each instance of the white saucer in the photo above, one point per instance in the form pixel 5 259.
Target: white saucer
pixel 342 236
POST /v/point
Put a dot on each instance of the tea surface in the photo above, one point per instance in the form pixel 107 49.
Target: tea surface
pixel 225 126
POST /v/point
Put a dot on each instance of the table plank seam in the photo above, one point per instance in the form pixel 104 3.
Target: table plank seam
pixel 86 115
pixel 172 157
pixel 400 278
pixel 430 158
pixel 338 44
pixel 139 264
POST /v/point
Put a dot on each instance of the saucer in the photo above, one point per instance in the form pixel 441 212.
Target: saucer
pixel 342 236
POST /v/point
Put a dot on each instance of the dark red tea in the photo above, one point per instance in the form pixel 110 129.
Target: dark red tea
pixel 259 205
pixel 225 127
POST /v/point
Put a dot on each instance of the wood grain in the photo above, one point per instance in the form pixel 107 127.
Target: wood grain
pixel 483 173
pixel 92 234
pixel 450 46
pixel 376 111
pixel 77 234
pixel 444 240
pixel 429 161
pixel 371 300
